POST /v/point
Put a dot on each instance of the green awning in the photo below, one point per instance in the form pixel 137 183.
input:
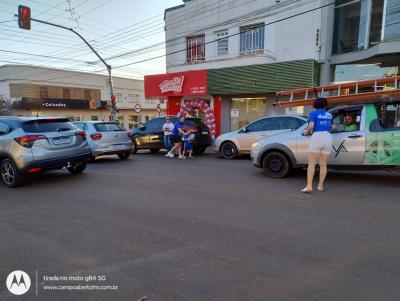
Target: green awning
pixel 266 78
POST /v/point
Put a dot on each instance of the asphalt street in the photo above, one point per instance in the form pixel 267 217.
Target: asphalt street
pixel 202 229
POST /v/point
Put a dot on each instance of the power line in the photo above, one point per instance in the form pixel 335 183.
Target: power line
pixel 229 36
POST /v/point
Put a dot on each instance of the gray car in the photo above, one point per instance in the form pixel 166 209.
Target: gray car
pixel 106 138
pixel 35 144
pixel 239 142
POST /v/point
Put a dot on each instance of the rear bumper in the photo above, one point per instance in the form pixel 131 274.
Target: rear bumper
pixel 56 163
pixel 111 151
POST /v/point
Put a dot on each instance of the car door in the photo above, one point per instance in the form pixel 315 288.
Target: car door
pixel 348 147
pixel 156 135
pixel 383 134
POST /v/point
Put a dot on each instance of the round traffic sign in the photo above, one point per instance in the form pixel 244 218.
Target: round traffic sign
pixel 138 108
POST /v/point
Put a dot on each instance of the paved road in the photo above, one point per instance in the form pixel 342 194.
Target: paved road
pixel 205 229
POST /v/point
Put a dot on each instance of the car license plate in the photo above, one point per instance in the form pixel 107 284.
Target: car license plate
pixel 204 132
pixel 61 140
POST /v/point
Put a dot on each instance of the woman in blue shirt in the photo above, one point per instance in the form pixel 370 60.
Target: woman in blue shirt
pixel 320 145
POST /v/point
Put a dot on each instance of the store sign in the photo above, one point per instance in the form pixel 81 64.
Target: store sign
pixel 172 85
pixel 190 83
pixel 54 103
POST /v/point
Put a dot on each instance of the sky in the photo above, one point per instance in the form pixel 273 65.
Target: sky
pixel 122 31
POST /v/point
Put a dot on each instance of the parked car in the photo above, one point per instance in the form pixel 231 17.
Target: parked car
pixel 374 143
pixel 150 135
pixel 35 144
pixel 239 142
pixel 106 138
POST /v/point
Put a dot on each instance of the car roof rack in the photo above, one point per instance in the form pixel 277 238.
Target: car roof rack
pixel 355 92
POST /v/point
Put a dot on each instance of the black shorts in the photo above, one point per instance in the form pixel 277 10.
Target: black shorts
pixel 175 139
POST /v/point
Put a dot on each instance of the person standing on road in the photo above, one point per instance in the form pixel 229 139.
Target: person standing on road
pixel 176 138
pixel 168 128
pixel 320 145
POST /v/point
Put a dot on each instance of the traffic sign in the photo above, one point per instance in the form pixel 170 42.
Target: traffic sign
pixel 138 108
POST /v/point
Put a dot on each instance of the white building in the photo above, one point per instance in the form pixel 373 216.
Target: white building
pixel 77 95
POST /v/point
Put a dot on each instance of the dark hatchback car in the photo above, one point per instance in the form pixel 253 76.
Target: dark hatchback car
pixel 150 135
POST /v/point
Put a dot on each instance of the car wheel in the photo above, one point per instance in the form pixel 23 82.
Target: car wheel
pixel 77 168
pixel 9 174
pixel 229 150
pixel 276 165
pixel 124 156
pixel 134 147
pixel 199 150
pixel 154 150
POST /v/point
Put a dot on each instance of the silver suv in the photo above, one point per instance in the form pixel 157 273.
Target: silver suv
pixel 35 144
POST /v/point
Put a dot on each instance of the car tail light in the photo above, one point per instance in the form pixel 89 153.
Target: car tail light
pixel 96 136
pixel 81 133
pixel 129 134
pixel 27 141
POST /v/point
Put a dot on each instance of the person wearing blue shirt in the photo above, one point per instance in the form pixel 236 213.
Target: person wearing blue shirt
pixel 176 138
pixel 320 145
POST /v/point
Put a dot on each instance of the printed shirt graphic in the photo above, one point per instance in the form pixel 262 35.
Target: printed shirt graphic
pixel 322 120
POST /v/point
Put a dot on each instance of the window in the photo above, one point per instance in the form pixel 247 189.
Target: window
pixel 118 97
pixel 94 117
pixel 133 98
pixel 195 49
pixel 287 123
pixel 265 124
pixel 155 125
pixel 375 30
pixel 66 93
pixel 346 120
pixel 133 121
pixel 82 126
pixel 47 125
pixel 252 39
pixel 389 115
pixel 88 95
pixel 146 118
pixel 392 21
pixel 222 42
pixel 109 127
pixel 4 128
pixel 44 92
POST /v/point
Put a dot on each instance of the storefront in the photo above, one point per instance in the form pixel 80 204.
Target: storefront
pixel 187 94
pixel 227 99
pixel 74 109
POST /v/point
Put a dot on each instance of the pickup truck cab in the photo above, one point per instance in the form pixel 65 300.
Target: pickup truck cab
pixel 372 143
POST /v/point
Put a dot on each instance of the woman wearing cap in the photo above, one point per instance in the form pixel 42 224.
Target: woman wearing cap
pixel 320 145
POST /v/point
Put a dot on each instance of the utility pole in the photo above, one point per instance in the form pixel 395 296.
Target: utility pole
pixel 24 22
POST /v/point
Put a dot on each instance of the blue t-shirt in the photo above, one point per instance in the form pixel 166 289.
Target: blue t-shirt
pixel 322 120
pixel 178 125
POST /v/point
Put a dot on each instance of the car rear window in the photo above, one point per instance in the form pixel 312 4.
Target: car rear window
pixel 47 125
pixel 194 123
pixel 108 127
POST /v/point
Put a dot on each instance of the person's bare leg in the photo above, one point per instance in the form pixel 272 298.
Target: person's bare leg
pixel 312 161
pixel 323 170
pixel 171 152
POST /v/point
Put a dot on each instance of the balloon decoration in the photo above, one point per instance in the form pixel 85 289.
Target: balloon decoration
pixel 189 105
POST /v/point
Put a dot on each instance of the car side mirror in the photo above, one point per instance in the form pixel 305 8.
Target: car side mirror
pixel 243 130
pixel 142 127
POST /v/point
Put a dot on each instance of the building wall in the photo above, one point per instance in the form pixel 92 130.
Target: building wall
pixel 293 39
pixel 28 90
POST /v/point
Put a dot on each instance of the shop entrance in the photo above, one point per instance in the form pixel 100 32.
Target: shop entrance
pixel 246 110
pixel 201 108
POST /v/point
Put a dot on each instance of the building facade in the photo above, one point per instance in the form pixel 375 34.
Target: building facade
pixel 250 49
pixel 35 91
pixel 248 52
